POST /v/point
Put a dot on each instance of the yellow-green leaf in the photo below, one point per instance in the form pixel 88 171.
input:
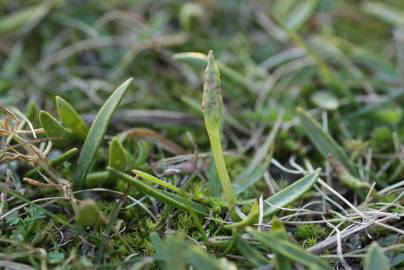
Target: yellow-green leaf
pixel 55 131
pixel 71 119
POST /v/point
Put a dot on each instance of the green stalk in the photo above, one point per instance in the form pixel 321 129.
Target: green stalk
pixel 212 109
pixel 214 138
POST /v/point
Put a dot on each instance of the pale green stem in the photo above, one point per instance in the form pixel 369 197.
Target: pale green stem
pixel 214 137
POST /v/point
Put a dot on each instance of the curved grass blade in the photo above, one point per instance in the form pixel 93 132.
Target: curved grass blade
pixel 289 250
pixel 241 184
pixel 97 132
pixel 55 131
pixel 291 193
pixel 71 119
pixel 157 181
pixel 165 197
pixel 324 143
pixel 260 162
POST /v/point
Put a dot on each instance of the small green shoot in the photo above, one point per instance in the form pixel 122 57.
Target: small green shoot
pixel 71 119
pixel 212 109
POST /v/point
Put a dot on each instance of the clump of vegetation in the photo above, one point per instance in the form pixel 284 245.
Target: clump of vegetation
pixel 118 152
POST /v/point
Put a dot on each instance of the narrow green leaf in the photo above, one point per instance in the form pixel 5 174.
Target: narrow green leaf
pixel 244 181
pixel 71 119
pixel 324 143
pixel 259 163
pixel 55 131
pixel 162 183
pixel 165 197
pixel 290 193
pixel 375 259
pixel 97 132
pixel 289 250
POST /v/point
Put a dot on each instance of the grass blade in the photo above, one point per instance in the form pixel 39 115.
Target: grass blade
pixel 289 250
pixel 157 181
pixel 324 143
pixel 291 193
pixel 165 197
pixel 97 132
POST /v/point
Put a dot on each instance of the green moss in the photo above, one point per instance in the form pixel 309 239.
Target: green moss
pixel 309 234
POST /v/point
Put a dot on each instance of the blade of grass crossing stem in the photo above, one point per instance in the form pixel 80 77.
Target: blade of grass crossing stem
pixel 55 131
pixel 165 197
pixel 290 193
pixel 97 132
pixel 375 259
pixel 324 143
pixel 289 250
pixel 71 119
